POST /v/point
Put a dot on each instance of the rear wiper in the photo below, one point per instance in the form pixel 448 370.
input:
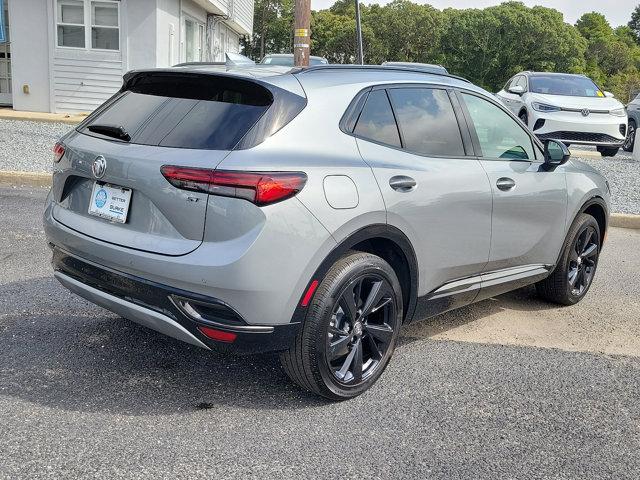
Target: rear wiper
pixel 110 131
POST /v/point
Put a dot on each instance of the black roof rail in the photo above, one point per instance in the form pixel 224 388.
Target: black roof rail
pixel 381 68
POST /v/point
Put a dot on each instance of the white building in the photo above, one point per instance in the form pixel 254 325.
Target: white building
pixel 70 55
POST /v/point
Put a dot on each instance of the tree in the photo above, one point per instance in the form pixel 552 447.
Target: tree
pixel 272 29
pixel 609 51
pixel 593 26
pixel 334 37
pixel 634 24
pixel 490 45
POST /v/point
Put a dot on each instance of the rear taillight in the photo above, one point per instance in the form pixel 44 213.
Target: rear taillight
pixel 261 188
pixel 58 152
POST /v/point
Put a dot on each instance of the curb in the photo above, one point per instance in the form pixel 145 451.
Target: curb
pixel 624 220
pixel 26 179
pixel 43 179
pixel 585 154
pixel 8 114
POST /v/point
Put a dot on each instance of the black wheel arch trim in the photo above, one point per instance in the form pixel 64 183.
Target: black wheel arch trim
pixel 595 200
pixel 371 232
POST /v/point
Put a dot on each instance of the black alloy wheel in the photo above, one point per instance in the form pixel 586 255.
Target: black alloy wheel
pixel 583 260
pixel 361 329
pixel 631 138
pixel 573 275
pixel 350 330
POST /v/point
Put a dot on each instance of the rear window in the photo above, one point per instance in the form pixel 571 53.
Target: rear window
pixel 184 111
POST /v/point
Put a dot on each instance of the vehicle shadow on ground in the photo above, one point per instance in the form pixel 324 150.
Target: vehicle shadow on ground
pixel 61 352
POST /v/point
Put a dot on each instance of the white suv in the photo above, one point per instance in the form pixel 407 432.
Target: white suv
pixel 570 108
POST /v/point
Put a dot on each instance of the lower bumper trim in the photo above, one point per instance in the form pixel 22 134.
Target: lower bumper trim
pixel 136 313
pixel 163 308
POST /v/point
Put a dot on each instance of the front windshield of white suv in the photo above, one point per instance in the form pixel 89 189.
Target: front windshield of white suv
pixel 570 85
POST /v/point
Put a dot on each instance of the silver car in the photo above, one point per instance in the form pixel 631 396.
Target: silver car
pixel 314 211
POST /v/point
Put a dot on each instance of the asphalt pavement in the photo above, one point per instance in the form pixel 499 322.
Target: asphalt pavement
pixel 508 388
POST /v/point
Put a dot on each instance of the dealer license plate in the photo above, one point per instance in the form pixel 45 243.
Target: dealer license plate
pixel 110 202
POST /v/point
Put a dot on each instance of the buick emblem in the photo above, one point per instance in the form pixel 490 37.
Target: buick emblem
pixel 99 166
pixel 586 112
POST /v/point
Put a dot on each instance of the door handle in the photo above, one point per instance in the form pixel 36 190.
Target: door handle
pixel 402 183
pixel 505 184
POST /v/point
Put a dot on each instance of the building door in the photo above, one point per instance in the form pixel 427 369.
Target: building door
pixel 5 57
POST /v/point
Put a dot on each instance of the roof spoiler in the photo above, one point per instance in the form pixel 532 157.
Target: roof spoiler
pixel 235 60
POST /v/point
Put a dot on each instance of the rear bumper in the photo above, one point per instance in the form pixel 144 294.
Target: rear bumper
pixel 262 274
pixel 161 308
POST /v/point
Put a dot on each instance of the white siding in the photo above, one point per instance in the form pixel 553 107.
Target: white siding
pixel 242 15
pixel 82 81
pixel 30 25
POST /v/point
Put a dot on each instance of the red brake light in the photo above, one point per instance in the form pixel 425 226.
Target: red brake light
pixel 261 188
pixel 58 152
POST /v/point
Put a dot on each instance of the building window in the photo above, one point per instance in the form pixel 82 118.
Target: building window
pixel 193 40
pixel 93 24
pixel 105 32
pixel 71 23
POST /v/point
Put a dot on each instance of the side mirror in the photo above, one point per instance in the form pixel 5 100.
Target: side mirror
pixel 516 89
pixel 555 153
pixel 608 94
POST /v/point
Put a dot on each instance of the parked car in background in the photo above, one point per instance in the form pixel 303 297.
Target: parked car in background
pixel 286 60
pixel 570 108
pixel 633 112
pixel 236 209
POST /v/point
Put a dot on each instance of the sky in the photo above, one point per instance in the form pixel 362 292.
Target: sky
pixel 618 12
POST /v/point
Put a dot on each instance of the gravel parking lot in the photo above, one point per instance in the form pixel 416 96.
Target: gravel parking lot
pixel 27 147
pixel 508 388
pixel 623 173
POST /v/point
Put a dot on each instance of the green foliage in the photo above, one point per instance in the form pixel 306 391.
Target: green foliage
pixel 272 29
pixel 634 23
pixel 487 45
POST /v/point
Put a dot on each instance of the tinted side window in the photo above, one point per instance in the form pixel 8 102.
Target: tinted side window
pixel 427 121
pixel 499 135
pixel 376 121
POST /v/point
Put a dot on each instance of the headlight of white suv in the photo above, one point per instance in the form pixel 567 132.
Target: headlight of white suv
pixel 543 107
pixel 619 112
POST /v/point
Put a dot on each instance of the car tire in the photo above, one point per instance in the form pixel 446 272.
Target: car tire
pixel 573 275
pixel 608 152
pixel 631 137
pixel 524 117
pixel 341 350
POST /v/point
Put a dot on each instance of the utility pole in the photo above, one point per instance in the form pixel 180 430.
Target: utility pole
pixel 301 37
pixel 360 53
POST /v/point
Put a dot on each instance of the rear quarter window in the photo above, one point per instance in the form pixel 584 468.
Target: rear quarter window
pixel 377 122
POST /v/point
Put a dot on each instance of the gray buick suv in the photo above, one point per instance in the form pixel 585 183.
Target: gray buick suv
pixel 314 211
